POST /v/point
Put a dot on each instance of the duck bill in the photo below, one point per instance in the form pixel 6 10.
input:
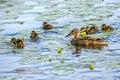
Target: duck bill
pixel 68 35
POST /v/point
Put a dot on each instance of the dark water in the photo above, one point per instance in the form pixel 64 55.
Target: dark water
pixel 39 60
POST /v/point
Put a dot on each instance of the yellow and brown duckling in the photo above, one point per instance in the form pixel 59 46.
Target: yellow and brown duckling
pixel 47 26
pixel 17 42
pixel 34 35
pixel 86 42
pixel 106 28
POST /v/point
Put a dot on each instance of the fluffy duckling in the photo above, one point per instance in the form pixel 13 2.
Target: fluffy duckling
pixel 17 42
pixel 94 29
pixel 85 42
pixel 34 35
pixel 91 30
pixel 106 28
pixel 46 26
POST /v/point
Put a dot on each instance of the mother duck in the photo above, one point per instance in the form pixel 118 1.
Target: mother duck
pixel 86 42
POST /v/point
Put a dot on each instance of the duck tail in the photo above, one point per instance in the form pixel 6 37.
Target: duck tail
pixel 104 43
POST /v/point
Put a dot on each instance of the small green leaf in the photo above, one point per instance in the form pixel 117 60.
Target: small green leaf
pixel 59 50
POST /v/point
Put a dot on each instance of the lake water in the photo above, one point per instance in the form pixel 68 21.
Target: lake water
pixel 39 60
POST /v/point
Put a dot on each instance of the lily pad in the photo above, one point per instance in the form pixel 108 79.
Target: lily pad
pixel 110 64
pixel 4 51
pixel 15 77
pixel 63 68
pixel 8 16
pixel 101 35
pixel 42 58
pixel 46 18
pixel 28 70
pixel 92 59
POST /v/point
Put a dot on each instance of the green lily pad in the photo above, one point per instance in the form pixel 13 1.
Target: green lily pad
pixel 45 18
pixel 15 77
pixel 11 22
pixel 62 68
pixel 27 70
pixel 42 58
pixel 92 59
pixel 101 35
pixel 101 51
pixel 4 51
pixel 110 64
pixel 8 16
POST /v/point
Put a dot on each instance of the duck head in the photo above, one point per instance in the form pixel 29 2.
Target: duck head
pixel 74 32
pixel 82 29
pixel 103 26
pixel 13 40
pixel 44 23
pixel 88 28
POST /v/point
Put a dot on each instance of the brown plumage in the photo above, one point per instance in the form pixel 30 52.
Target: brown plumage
pixel 104 27
pixel 86 42
pixel 17 42
pixel 89 30
pixel 47 26
pixel 34 35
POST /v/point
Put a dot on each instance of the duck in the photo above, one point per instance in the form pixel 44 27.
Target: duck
pixel 34 35
pixel 47 26
pixel 17 42
pixel 105 27
pixel 94 29
pixel 86 42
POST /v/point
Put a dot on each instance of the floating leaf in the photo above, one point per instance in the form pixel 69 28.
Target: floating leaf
pixel 92 59
pixel 14 77
pixel 69 44
pixel 63 68
pixel 28 70
pixel 83 34
pixel 91 67
pixel 59 50
pixel 62 61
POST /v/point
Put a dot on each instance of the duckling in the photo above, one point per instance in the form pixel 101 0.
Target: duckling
pixel 91 30
pixel 19 43
pixel 34 35
pixel 106 28
pixel 94 29
pixel 88 42
pixel 46 26
pixel 110 28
